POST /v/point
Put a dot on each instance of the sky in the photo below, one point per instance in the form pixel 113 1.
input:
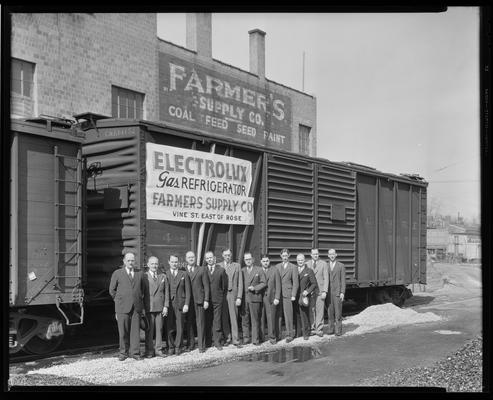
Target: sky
pixel 396 91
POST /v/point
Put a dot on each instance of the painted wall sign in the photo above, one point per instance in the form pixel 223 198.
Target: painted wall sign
pixel 195 186
pixel 194 96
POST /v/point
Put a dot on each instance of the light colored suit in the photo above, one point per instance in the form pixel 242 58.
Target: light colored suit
pixel 337 285
pixel 289 288
pixel 158 298
pixel 317 304
pixel 252 302
pixel 235 291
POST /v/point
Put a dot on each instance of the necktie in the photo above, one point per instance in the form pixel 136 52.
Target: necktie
pixel 285 265
pixel 154 276
pixel 174 273
pixel 212 270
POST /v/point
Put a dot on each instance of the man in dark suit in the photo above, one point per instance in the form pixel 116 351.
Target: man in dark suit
pixel 272 295
pixel 179 293
pixel 219 285
pixel 128 291
pixel 337 289
pixel 307 287
pixel 289 288
pixel 199 279
pixel 156 285
pixel 233 298
pixel 254 283
pixel 317 305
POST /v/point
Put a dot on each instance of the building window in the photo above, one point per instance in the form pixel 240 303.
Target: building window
pixel 304 139
pixel 126 103
pixel 22 77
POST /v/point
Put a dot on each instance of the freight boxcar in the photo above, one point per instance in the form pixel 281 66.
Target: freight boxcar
pixel 375 221
pixel 46 234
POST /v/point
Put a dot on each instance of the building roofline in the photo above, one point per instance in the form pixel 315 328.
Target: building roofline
pixel 237 68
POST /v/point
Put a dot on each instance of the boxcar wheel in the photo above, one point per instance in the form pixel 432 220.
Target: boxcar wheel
pixel 41 346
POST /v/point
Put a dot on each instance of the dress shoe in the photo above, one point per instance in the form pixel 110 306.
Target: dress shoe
pixel 245 342
pixel 160 354
pixel 191 348
pixel 339 334
pixel 171 351
pixel 201 350
pixel 256 343
pixel 272 341
pixel 122 357
pixel 330 333
pixel 289 339
pixel 178 351
pixel 150 355
pixel 238 345
pixel 137 357
pixel 320 334
pixel 219 347
pixel 306 337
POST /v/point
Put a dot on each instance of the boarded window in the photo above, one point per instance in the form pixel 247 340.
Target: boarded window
pixel 22 77
pixel 126 103
pixel 304 139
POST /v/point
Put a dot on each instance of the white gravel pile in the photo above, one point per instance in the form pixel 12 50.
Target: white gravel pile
pixel 107 370
pixel 387 316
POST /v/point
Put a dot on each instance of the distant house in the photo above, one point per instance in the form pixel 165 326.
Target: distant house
pixel 464 243
pixel 436 243
pixel 455 243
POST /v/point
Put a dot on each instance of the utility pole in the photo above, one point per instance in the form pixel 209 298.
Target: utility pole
pixel 303 74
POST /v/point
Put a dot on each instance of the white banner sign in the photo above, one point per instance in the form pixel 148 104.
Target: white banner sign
pixel 195 186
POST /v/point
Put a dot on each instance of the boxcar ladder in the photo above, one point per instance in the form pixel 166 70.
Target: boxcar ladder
pixel 73 234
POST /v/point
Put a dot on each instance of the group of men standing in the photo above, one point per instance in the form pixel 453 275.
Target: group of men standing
pixel 208 301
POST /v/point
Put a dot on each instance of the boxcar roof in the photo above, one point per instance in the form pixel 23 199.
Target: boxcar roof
pixel 46 128
pixel 169 128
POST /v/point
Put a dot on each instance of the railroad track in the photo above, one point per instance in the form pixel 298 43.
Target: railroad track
pixel 16 359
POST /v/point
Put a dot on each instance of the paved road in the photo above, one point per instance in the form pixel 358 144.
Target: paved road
pixel 347 360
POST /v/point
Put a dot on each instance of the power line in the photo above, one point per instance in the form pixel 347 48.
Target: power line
pixel 455 181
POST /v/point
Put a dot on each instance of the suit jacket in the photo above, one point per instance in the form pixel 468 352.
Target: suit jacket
pixel 308 282
pixel 126 292
pixel 218 283
pixel 199 280
pixel 235 279
pixel 321 271
pixel 337 278
pixel 158 292
pixel 289 280
pixel 255 278
pixel 273 281
pixel 179 288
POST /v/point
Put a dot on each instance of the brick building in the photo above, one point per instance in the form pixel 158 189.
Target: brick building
pixel 115 65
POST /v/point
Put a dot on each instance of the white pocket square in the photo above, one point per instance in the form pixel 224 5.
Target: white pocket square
pixel 256 274
pixel 182 277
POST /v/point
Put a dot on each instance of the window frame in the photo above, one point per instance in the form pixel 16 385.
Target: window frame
pixel 127 103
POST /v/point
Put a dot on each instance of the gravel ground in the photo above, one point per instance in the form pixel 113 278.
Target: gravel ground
pixel 459 372
pixel 107 370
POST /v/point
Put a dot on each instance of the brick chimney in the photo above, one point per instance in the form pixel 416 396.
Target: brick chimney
pixel 257 52
pixel 199 33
